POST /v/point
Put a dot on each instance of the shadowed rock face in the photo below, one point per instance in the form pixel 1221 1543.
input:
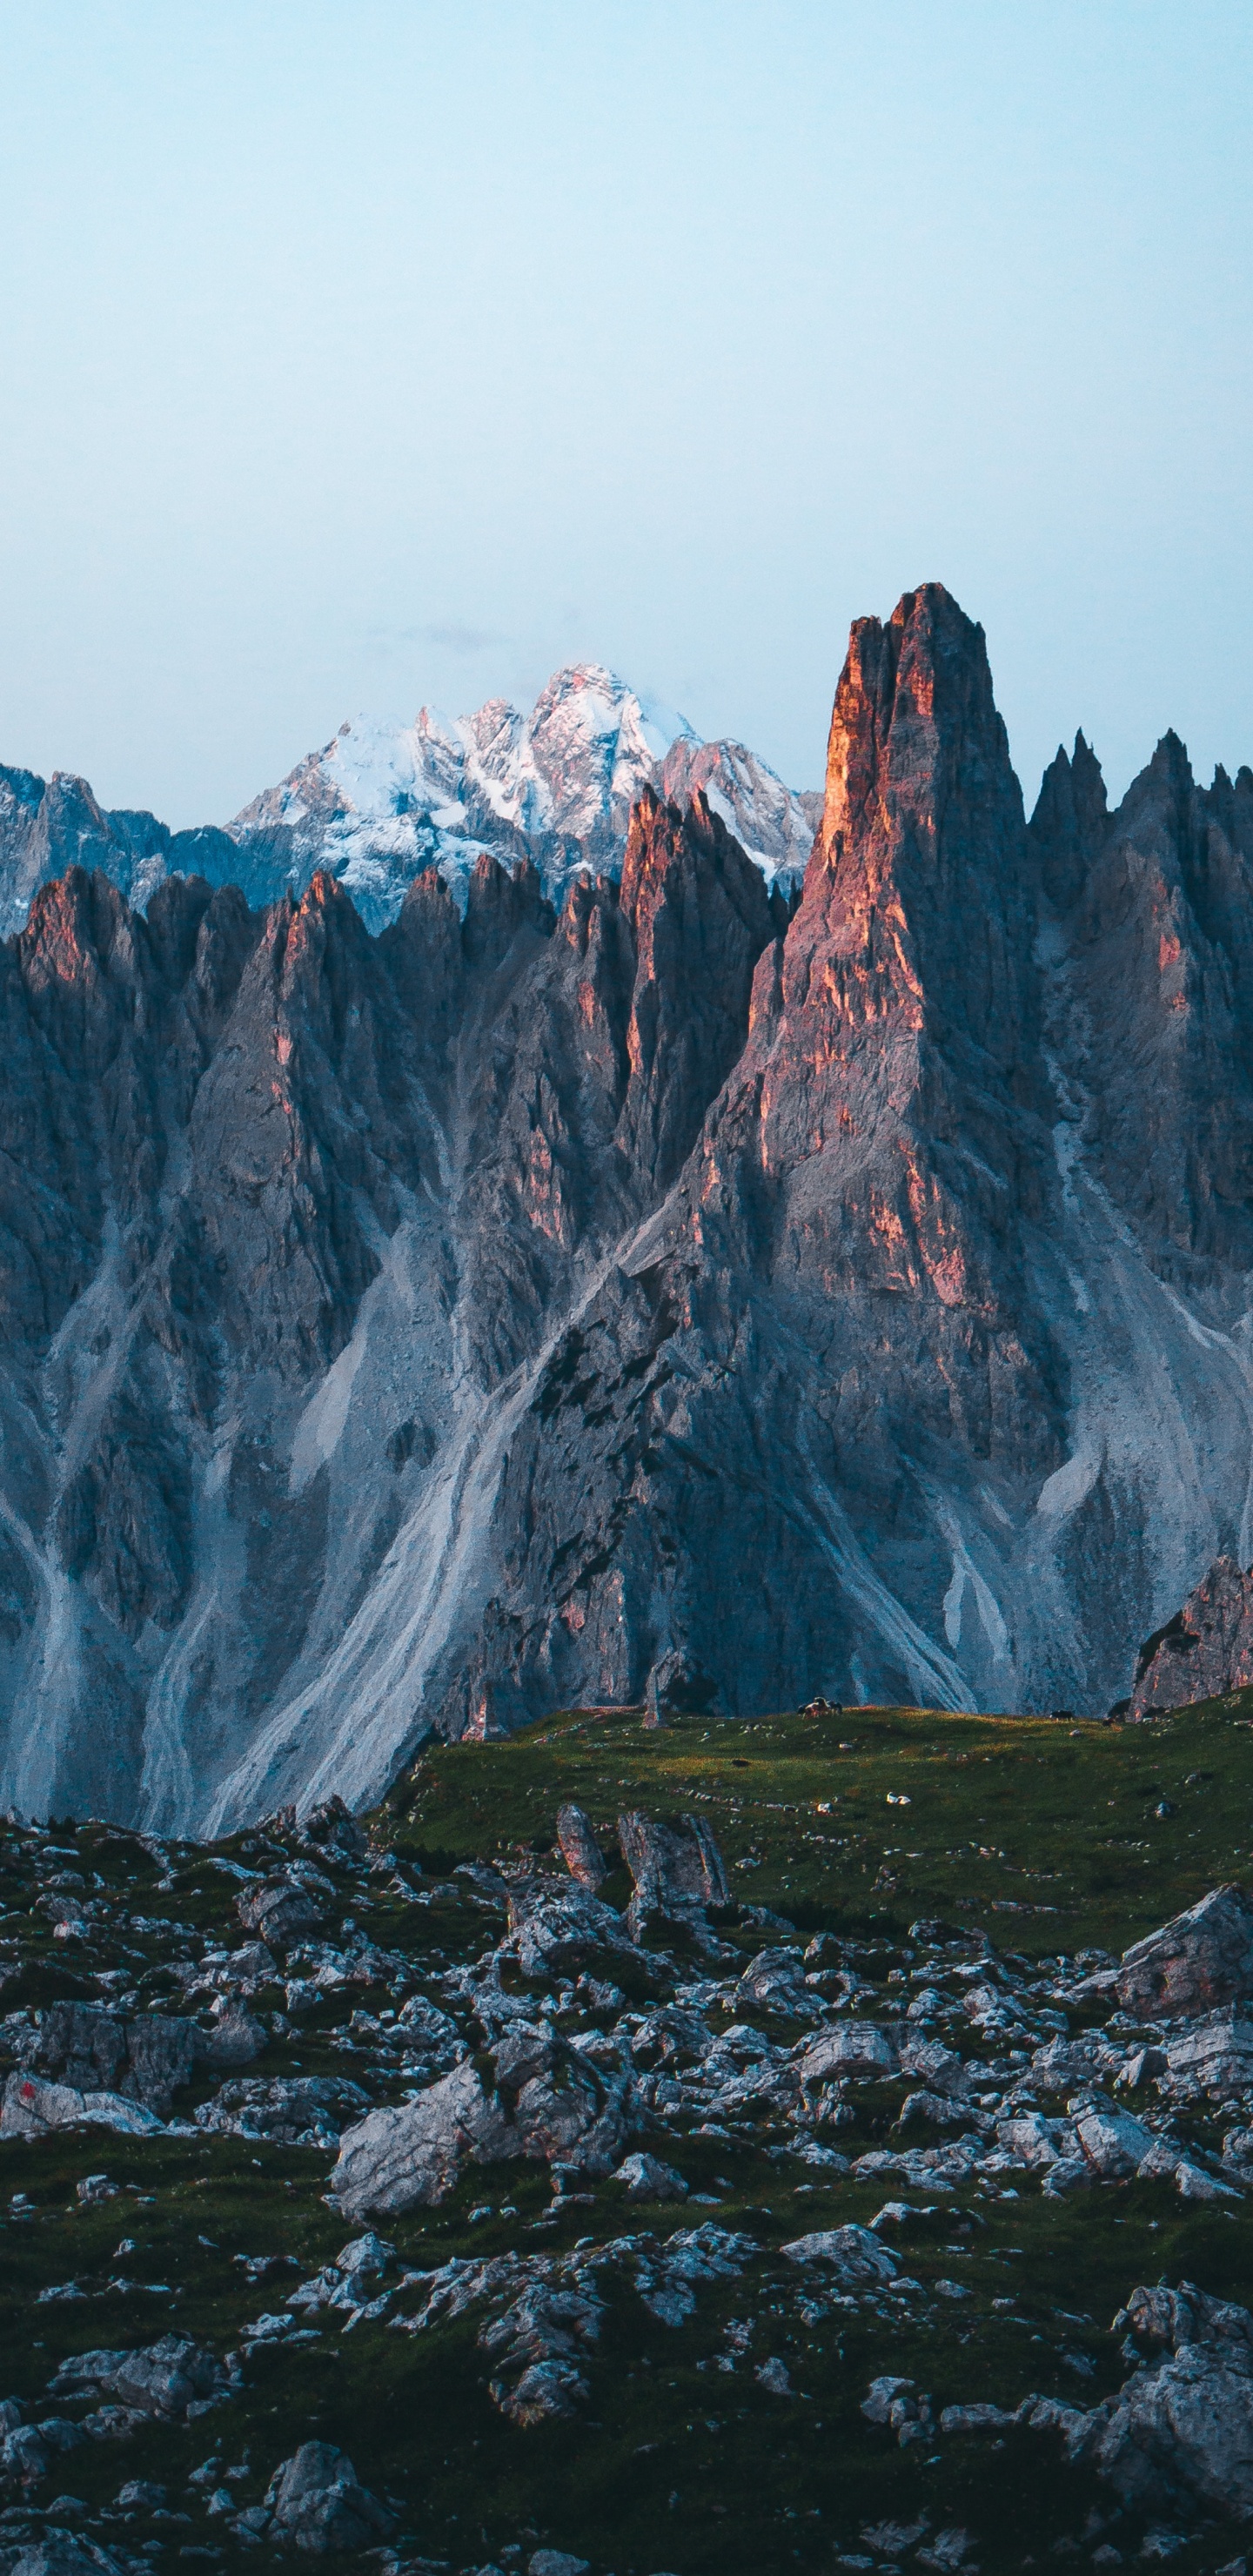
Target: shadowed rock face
pixel 500 1312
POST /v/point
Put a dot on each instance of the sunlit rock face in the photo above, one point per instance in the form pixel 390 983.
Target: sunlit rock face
pixel 533 1299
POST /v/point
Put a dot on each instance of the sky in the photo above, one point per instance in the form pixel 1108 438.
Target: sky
pixel 356 356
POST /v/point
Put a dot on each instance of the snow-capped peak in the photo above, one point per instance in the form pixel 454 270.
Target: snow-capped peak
pixel 384 800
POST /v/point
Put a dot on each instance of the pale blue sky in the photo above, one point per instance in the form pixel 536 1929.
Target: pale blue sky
pixel 355 355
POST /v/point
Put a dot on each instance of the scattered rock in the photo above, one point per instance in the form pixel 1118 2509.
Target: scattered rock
pixel 64 2553
pixel 1214 2055
pixel 1182 2428
pixel 234 2037
pixel 92 2050
pixel 334 1828
pixel 554 1927
pixel 941 2069
pixel 289 2110
pixel 775 1982
pixel 1113 2142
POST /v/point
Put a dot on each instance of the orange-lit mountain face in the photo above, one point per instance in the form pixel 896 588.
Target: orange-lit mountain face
pixel 520 1302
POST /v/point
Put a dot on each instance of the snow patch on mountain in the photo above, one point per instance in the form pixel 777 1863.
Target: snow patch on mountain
pixel 384 800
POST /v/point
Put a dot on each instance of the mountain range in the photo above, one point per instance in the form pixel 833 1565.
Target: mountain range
pixel 614 1275
pixel 382 801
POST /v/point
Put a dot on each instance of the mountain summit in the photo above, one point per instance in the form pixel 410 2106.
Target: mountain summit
pixel 532 1303
pixel 384 800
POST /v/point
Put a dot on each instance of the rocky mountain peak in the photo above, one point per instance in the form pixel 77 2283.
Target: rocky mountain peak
pixel 1070 823
pixel 401 1325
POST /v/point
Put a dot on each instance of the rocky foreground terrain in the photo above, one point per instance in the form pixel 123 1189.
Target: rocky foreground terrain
pixel 431 1330
pixel 612 2158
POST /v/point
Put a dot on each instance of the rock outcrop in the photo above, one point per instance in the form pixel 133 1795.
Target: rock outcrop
pixel 677 1868
pixel 1199 1960
pixel 1204 1651
pixel 548 2103
pixel 317 2504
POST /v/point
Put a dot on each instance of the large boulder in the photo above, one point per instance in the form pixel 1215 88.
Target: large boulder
pixel 318 2505
pixel 64 2553
pixel 145 2058
pixel 579 1848
pixel 1180 2433
pixel 1212 2056
pixel 32 2106
pixel 554 1926
pixel 1204 1651
pixel 548 2102
pixel 162 2379
pixel 677 1868
pixel 1193 1963
pixel 279 1912
pixel 852 2048
pixel 856 2257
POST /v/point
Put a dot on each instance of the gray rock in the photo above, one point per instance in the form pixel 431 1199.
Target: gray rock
pixel 554 1926
pixel 161 2379
pixel 1065 2065
pixel 1212 2056
pixel 645 2177
pixel 1113 2142
pixel 579 1847
pixel 549 2103
pixel 1070 2173
pixel 29 2450
pixel 857 2257
pixel 32 2107
pixel 677 1868
pixel 1181 2431
pixel 279 1914
pixel 64 2553
pixel 940 2068
pixel 234 2038
pixel 556 2562
pixel 1204 1651
pixel 318 2506
pixel 1195 1962
pixel 851 2048
pixel 289 2110
pixel 1034 2141
pixel 146 2058
pixel 775 1982
pixel 333 1828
